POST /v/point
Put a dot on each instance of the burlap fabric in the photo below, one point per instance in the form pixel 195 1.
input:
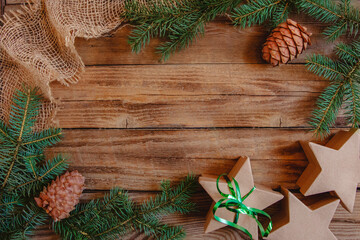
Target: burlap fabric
pixel 37 46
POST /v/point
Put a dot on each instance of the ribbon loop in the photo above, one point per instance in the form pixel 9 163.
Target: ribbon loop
pixel 233 202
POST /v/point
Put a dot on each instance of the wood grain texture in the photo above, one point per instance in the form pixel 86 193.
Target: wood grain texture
pixel 132 121
pixel 10 2
pixel 2 7
pixel 112 157
pixel 191 95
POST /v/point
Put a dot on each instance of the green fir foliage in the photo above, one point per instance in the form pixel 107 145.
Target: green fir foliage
pixel 24 172
pixel 260 11
pixel 117 215
pixel 180 21
pixel 342 16
pixel 344 76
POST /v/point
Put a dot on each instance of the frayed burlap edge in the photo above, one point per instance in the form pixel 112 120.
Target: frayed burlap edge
pixel 37 47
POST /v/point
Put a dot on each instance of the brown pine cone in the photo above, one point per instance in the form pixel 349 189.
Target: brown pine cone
pixel 286 42
pixel 62 195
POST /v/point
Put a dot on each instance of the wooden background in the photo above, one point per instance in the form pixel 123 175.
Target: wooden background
pixel 132 121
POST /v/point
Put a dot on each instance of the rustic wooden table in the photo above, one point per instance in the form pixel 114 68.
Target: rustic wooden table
pixel 132 121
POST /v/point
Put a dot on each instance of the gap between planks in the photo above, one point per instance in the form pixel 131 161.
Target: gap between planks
pixel 2 7
pixel 110 158
pixel 193 96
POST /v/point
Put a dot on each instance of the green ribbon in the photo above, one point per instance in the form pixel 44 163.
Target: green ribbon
pixel 234 202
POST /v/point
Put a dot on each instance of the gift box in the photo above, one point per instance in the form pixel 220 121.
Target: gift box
pixel 333 168
pixel 254 197
pixel 308 220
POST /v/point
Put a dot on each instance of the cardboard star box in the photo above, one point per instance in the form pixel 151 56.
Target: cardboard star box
pixel 333 168
pixel 260 198
pixel 299 221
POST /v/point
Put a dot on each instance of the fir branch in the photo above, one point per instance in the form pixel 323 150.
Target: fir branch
pixel 335 31
pixel 180 21
pixel 8 204
pixel 346 53
pixel 44 175
pixel 150 227
pixel 114 200
pixel 14 158
pixel 22 117
pixel 343 17
pixel 31 163
pixel 324 66
pixel 174 234
pixel 171 201
pixel 33 217
pixel 4 133
pixel 23 223
pixel 44 139
pixel 323 10
pixel 23 172
pixel 343 91
pixel 181 38
pixel 281 14
pixel 352 100
pixel 53 168
pixel 3 205
pixel 328 105
pixel 25 115
pixel 117 214
pixel 255 12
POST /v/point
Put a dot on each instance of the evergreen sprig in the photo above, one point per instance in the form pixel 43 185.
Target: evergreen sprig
pixel 116 214
pixel 344 76
pixel 260 11
pixel 24 172
pixel 344 17
pixel 180 21
pixel 20 224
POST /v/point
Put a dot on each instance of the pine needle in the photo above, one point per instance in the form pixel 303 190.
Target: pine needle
pixel 344 90
pixel 116 214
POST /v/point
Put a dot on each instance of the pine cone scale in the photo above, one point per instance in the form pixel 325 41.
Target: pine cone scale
pixel 62 195
pixel 286 42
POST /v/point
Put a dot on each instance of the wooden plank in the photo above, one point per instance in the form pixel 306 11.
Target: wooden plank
pixel 11 2
pixel 223 43
pixel 344 225
pixel 2 7
pixel 140 159
pixel 209 95
pixel 188 112
pixel 117 82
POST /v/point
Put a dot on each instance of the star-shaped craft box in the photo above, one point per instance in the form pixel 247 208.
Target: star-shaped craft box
pixel 260 198
pixel 333 168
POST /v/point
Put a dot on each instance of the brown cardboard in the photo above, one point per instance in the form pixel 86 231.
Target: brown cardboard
pixel 260 198
pixel 298 221
pixel 334 168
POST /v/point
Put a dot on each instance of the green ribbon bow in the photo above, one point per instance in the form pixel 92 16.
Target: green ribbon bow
pixel 234 203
